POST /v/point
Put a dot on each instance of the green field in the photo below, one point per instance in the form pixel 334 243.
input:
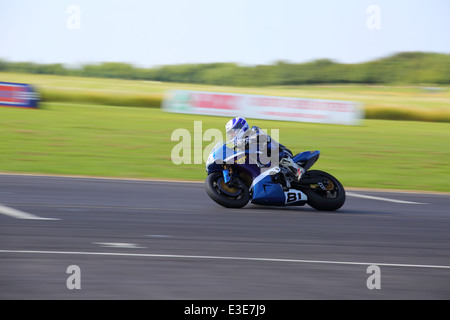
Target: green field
pixel 99 140
pixel 380 102
pixel 114 128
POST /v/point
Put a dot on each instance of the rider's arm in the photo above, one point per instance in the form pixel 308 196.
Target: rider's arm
pixel 257 133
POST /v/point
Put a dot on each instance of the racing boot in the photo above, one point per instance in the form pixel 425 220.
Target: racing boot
pixel 295 169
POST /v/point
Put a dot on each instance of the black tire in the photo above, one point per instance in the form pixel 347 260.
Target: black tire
pixel 215 193
pixel 320 199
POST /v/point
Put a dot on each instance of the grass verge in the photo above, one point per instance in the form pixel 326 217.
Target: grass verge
pixel 98 140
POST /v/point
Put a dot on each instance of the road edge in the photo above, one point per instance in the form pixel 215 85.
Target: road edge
pixel 201 181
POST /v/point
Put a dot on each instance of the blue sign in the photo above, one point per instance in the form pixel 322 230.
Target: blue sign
pixel 18 95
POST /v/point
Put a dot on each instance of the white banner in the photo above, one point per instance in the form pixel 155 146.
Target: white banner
pixel 263 107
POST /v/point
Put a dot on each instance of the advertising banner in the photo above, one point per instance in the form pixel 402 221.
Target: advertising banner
pixel 263 107
pixel 18 95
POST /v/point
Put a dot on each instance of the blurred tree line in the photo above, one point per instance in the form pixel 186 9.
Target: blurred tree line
pixel 402 68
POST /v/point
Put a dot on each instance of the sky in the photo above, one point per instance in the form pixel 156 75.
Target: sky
pixel 250 32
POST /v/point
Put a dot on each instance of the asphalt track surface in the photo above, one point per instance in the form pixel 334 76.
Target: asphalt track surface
pixel 160 240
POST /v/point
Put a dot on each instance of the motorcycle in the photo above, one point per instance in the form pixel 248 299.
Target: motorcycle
pixel 235 178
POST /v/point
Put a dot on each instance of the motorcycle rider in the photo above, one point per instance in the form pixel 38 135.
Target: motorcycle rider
pixel 238 131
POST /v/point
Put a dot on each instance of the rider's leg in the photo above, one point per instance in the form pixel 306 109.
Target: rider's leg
pixel 287 162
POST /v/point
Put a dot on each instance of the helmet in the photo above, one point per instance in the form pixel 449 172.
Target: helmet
pixel 236 128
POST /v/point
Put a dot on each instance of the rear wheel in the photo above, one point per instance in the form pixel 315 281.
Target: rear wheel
pixel 328 195
pixel 230 195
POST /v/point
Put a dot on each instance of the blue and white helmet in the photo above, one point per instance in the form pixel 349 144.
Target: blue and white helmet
pixel 236 128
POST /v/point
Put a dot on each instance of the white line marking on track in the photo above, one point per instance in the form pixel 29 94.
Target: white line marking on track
pixel 175 256
pixel 357 195
pixel 119 245
pixel 20 214
pixel 159 236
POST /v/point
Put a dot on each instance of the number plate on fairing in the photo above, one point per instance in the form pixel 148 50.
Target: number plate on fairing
pixel 293 196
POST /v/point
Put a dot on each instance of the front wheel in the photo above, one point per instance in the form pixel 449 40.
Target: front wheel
pixel 327 196
pixel 231 195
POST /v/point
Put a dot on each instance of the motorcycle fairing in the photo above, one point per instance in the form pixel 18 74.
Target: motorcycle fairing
pixel 224 153
pixel 307 158
pixel 266 192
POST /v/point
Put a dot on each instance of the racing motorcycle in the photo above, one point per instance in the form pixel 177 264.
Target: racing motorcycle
pixel 238 177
